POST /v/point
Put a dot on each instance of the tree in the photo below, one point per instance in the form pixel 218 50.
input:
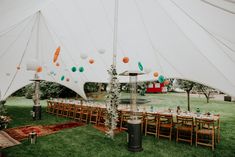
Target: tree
pixel 186 86
pixel 205 90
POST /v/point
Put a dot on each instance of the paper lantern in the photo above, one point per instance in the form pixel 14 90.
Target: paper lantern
pixel 57 64
pixel 101 51
pixel 56 54
pixel 166 82
pixel 161 79
pixel 81 69
pixel 83 56
pixel 62 78
pixel 91 61
pixel 39 69
pixel 67 79
pixel 32 65
pixel 18 67
pixel 125 59
pixel 74 69
pixel 140 66
pixel 155 74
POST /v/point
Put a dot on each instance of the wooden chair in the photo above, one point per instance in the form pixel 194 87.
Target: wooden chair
pixel 66 110
pixel 55 108
pixel 184 129
pixel 165 125
pixel 205 132
pixel 71 111
pixel 85 114
pixel 94 115
pixel 49 108
pixel 77 112
pixel 151 124
pixel 125 116
pixel 102 117
pixel 60 109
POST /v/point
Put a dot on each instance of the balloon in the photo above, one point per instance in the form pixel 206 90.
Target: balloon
pixel 74 69
pixel 155 74
pixel 67 79
pixel 18 67
pixel 101 51
pixel 166 82
pixel 57 64
pixel 83 56
pixel 91 61
pixel 125 59
pixel 62 78
pixel 39 69
pixel 161 79
pixel 81 69
pixel 56 54
pixel 140 66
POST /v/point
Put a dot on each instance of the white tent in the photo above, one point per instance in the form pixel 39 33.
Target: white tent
pixel 188 39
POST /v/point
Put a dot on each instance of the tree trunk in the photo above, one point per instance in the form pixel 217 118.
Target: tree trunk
pixel 188 97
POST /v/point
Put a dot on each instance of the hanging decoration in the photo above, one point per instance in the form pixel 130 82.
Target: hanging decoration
pixel 161 79
pixel 18 67
pixel 91 61
pixel 62 78
pixel 73 69
pixel 125 59
pixel 112 101
pixel 166 82
pixel 67 79
pixel 101 51
pixel 39 69
pixel 140 66
pixel 57 64
pixel 56 54
pixel 147 70
pixel 155 74
pixel 83 56
pixel 81 69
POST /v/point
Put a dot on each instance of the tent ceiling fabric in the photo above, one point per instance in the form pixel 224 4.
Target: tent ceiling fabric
pixel 192 40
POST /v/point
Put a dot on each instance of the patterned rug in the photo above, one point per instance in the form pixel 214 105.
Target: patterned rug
pixel 6 140
pixel 21 133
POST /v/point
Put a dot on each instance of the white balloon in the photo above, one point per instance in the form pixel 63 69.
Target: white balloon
pixel 83 56
pixel 101 51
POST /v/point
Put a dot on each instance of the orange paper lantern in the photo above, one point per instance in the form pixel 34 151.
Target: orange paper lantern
pixel 91 61
pixel 155 74
pixel 125 59
pixel 56 54
pixel 57 64
pixel 39 69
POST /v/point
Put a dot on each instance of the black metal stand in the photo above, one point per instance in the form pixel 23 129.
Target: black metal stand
pixel 134 136
pixel 37 112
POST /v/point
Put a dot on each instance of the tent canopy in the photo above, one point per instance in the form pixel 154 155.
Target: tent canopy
pixel 187 39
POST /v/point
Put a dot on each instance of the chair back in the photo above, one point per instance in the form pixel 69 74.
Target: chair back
pixel 185 120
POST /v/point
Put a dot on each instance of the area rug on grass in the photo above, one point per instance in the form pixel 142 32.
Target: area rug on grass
pixel 6 140
pixel 104 129
pixel 21 133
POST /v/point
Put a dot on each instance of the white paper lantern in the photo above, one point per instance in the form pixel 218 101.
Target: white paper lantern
pixel 83 56
pixel 32 65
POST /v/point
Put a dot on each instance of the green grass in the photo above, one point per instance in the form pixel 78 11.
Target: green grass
pixel 87 141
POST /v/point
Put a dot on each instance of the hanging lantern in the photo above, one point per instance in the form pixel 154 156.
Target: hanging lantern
pixel 39 69
pixel 83 56
pixel 140 66
pixel 56 54
pixel 91 61
pixel 57 64
pixel 81 69
pixel 166 82
pixel 125 59
pixel 161 79
pixel 101 51
pixel 67 79
pixel 155 74
pixel 62 78
pixel 74 69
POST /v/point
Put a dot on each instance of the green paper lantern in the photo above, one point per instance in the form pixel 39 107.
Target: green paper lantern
pixel 62 78
pixel 74 69
pixel 140 66
pixel 161 79
pixel 81 69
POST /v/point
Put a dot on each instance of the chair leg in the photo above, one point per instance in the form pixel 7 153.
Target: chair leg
pixel 177 135
pixel 196 139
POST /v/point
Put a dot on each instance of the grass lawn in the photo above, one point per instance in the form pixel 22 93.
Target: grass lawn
pixel 88 142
